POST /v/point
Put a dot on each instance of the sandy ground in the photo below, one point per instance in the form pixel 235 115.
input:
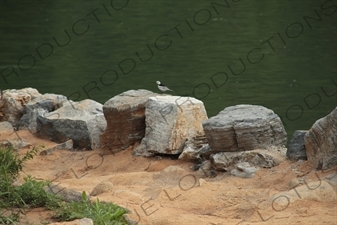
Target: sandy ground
pixel 163 191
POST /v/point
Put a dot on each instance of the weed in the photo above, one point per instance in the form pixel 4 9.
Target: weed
pixel 10 166
pixel 33 193
pixel 100 212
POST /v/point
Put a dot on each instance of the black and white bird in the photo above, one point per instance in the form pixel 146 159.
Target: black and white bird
pixel 162 87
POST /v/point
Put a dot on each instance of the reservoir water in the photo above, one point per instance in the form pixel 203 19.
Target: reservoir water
pixel 278 54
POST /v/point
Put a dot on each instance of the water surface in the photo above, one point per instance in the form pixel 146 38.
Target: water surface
pixel 279 54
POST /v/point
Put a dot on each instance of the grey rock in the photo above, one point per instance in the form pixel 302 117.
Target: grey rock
pixel 68 145
pixel 296 148
pixel 266 158
pixel 170 120
pixel 49 102
pixel 6 127
pixel 29 119
pixel 225 161
pixel 193 148
pixel 205 169
pixel 130 221
pixel 65 194
pixel 244 170
pixel 125 116
pixel 15 143
pixel 246 167
pixel 206 152
pixel 39 106
pixel 244 127
pixel 13 103
pixel 83 122
pixel 331 178
pixel 321 142
pixel 242 174
pixel 101 188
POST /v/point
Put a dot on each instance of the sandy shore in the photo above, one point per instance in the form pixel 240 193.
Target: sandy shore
pixel 165 191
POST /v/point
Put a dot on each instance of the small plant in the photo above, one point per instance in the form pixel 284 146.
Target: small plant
pixel 33 193
pixel 8 217
pixel 10 166
pixel 10 162
pixel 101 213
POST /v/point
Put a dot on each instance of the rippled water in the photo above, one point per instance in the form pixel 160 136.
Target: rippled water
pixel 279 54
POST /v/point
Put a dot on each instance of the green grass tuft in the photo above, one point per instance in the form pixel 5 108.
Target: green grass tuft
pixel 100 212
pixel 32 193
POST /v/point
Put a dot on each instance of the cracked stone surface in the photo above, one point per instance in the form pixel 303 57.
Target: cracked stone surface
pixel 244 127
pixel 125 116
pixel 321 142
pixel 170 121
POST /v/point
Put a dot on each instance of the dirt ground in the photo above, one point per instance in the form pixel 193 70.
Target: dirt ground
pixel 162 191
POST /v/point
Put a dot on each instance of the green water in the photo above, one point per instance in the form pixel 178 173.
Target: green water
pixel 288 48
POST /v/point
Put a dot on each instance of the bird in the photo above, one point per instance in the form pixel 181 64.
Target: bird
pixel 162 87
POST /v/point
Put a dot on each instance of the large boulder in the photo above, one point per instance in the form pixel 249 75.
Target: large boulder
pixel 38 107
pixel 296 148
pixel 13 102
pixel 244 127
pixel 170 121
pixel 82 122
pixel 125 116
pixel 321 142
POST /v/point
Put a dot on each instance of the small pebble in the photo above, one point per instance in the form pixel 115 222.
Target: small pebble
pixel 202 182
pixel 293 183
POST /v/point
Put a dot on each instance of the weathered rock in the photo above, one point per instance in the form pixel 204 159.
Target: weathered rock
pixel 170 120
pixel 29 119
pixel 65 194
pixel 125 116
pixel 321 142
pixel 296 149
pixel 6 127
pixel 205 152
pixel 244 127
pixel 68 145
pixel 332 178
pixel 39 106
pixel 226 161
pixel 244 170
pixel 205 169
pixel 190 153
pixel 82 122
pixel 294 182
pixel 15 143
pixel 13 103
pixel 101 188
pixel 193 148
